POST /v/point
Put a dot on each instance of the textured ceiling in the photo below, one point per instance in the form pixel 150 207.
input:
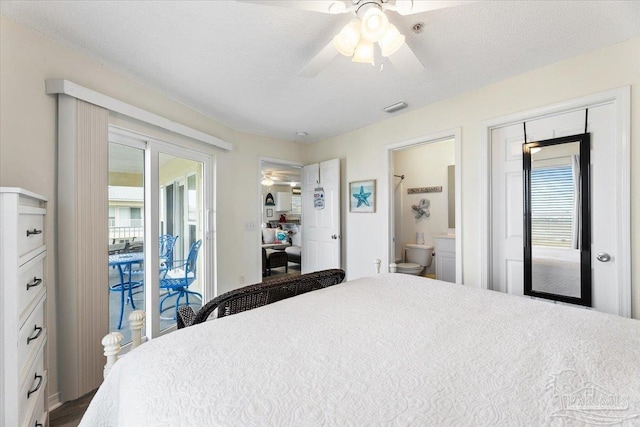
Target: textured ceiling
pixel 238 62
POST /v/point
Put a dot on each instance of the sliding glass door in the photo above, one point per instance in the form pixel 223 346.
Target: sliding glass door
pixel 126 234
pixel 159 200
pixel 181 210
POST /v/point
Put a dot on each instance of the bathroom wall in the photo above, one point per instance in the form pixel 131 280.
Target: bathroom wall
pixel 422 166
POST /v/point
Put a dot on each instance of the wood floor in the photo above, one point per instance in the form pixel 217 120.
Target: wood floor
pixel 70 413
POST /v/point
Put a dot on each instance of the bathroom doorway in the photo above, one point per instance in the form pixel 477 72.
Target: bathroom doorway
pixel 424 208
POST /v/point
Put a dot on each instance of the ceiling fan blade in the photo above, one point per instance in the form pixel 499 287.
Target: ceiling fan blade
pixel 325 6
pixel 409 7
pixel 320 61
pixel 405 61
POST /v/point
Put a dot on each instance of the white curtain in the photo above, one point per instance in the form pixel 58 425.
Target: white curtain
pixel 577 197
pixel 82 294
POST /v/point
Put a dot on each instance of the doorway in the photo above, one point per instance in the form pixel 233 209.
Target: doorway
pixel 280 218
pixel 425 201
pixel 608 124
pixel 159 200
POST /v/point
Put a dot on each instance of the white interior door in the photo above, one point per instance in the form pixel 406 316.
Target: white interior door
pixel 507 200
pixel 507 210
pixel 321 227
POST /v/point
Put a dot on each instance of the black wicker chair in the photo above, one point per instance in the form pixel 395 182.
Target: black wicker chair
pixel 260 294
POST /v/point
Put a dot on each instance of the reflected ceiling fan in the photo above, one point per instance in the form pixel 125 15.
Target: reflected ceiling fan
pixel 370 26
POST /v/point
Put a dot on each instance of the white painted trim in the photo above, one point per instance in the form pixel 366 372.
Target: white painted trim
pixel 456 134
pixel 63 86
pixel 54 402
pixel 621 98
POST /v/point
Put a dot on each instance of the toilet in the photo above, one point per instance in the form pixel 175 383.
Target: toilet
pixel 417 257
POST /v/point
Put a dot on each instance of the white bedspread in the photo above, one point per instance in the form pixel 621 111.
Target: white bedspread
pixel 389 350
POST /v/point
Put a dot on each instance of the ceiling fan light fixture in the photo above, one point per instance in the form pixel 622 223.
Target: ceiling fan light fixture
pixel 391 41
pixel 347 39
pixel 364 52
pixel 374 24
pixel 266 181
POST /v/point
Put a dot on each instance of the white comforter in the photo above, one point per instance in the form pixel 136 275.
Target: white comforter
pixel 390 350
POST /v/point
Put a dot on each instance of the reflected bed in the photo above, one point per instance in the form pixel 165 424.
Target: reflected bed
pixel 556 270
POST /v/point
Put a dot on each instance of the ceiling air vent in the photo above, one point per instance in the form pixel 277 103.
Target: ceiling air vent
pixel 395 107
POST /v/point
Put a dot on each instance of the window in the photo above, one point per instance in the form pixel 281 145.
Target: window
pixel 112 216
pixel 296 204
pixel 552 206
pixel 136 217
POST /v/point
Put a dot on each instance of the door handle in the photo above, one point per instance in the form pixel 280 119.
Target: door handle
pixel 603 257
pixel 334 237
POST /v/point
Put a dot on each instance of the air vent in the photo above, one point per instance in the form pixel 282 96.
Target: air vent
pixel 395 107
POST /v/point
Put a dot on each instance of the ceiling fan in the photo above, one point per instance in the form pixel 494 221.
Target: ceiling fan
pixel 370 26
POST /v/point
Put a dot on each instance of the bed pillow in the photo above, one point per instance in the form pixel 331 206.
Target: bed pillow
pixel 268 235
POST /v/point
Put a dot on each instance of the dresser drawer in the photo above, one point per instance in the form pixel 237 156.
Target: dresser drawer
pixel 40 415
pixel 30 229
pixel 31 285
pixel 32 389
pixel 30 339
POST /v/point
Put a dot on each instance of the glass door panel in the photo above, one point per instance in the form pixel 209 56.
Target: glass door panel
pixel 181 206
pixel 126 236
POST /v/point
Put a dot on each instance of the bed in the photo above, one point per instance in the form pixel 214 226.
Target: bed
pixel 393 349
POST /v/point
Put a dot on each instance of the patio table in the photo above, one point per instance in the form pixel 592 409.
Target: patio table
pixel 124 263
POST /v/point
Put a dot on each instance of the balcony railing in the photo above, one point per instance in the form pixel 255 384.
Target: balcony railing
pixel 125 234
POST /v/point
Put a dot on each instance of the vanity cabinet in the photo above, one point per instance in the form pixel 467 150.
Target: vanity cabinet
pixel 23 293
pixel 283 201
pixel 445 258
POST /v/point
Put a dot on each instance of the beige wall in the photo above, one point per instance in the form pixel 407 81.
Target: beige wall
pixel 364 149
pixel 28 150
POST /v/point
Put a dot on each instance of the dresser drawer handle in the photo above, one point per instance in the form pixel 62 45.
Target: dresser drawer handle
pixel 35 283
pixel 39 378
pixel 38 330
pixel 34 231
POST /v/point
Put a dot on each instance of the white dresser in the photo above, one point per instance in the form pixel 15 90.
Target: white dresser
pixel 23 334
pixel 445 258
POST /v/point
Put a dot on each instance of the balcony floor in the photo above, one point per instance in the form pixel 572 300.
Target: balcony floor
pixel 166 319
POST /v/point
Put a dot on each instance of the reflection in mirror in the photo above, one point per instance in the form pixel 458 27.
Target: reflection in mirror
pixel 556 214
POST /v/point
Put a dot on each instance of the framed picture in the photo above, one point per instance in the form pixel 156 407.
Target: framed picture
pixel 269 201
pixel 362 196
pixel 269 213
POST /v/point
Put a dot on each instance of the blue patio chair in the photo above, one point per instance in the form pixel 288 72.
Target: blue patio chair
pixel 165 247
pixel 178 279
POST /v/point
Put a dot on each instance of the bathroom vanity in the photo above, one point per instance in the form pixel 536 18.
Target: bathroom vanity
pixel 445 258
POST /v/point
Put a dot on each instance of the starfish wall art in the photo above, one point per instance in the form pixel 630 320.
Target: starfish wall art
pixel 362 196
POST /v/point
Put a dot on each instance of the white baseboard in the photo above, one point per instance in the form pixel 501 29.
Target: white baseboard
pixel 54 401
